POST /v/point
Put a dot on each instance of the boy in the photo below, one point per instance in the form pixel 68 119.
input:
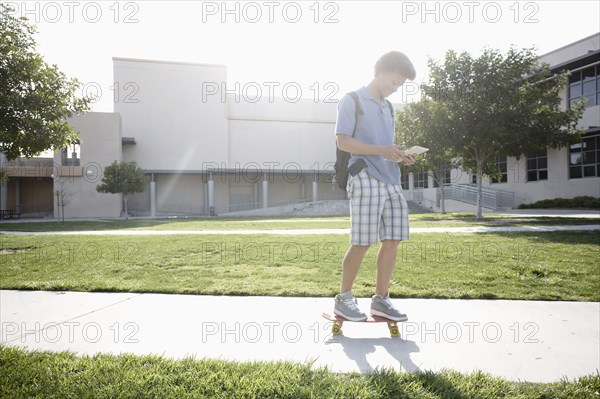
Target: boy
pixel 378 210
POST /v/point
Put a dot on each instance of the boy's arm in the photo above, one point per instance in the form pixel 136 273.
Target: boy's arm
pixel 350 144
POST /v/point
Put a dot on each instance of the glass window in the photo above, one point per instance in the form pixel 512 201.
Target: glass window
pixel 404 177
pixel 585 84
pixel 584 157
pixel 421 178
pixel 537 166
pixel 502 166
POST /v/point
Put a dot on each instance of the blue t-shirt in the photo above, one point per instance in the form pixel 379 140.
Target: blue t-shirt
pixel 375 126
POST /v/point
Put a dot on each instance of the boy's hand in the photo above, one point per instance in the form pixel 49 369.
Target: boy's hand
pixel 406 159
pixel 392 153
pixel 409 159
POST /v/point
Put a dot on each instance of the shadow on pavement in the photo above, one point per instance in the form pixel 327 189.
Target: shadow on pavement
pixel 357 350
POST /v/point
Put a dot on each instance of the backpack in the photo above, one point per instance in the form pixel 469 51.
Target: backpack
pixel 342 157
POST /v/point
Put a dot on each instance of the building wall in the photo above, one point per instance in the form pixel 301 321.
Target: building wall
pixel 100 134
pixel 183 128
pixel 178 127
pixel 175 126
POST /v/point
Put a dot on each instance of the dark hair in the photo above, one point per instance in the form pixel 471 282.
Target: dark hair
pixel 395 61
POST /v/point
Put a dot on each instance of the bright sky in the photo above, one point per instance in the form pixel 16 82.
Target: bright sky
pixel 324 49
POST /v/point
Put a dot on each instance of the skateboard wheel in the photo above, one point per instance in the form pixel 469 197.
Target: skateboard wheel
pixel 336 329
pixel 394 332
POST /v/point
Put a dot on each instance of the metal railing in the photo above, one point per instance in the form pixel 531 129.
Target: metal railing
pixel 492 198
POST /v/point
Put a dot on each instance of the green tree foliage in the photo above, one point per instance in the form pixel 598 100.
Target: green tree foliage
pixel 123 178
pixel 497 105
pixel 35 98
pixel 424 123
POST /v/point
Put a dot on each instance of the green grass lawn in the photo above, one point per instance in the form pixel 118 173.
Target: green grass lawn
pixel 547 266
pixel 255 223
pixel 64 375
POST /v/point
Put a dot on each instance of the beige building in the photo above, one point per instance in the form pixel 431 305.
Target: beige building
pixel 554 173
pixel 211 149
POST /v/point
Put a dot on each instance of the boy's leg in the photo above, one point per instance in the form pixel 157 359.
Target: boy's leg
pixel 394 228
pixel 351 265
pixel 386 260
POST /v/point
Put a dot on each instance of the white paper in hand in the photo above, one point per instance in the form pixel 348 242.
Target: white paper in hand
pixel 416 150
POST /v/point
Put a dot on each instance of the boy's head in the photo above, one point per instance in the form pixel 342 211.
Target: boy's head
pixel 397 62
pixel 391 71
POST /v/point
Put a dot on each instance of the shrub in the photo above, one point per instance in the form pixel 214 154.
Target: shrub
pixel 584 201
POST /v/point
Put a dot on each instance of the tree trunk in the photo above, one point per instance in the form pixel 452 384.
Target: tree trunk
pixel 126 213
pixel 479 189
pixel 441 178
pixel 442 199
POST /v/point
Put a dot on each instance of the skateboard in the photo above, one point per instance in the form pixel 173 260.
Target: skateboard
pixel 338 321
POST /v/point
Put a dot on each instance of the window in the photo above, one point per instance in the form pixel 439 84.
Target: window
pixel 501 164
pixel 537 166
pixel 421 178
pixel 70 155
pixel 585 83
pixel 404 177
pixel 447 178
pixel 584 157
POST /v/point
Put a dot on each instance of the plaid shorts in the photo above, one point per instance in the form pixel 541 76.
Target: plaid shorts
pixel 377 210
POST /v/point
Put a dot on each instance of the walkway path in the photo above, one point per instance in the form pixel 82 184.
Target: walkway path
pixel 474 229
pixel 519 340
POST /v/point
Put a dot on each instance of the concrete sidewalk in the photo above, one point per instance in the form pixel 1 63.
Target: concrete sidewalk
pixel 413 230
pixel 519 340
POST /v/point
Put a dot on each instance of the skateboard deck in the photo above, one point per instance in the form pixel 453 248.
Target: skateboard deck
pixel 338 321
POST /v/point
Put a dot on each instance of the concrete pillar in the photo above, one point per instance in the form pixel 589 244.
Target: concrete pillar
pixel 18 194
pixel 303 189
pixel 3 186
pixel 211 196
pixel 315 189
pixel 265 186
pixel 411 186
pixel 152 196
pixel 3 195
pixel 255 205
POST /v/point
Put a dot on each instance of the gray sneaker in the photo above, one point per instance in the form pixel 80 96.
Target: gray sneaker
pixel 345 306
pixel 382 306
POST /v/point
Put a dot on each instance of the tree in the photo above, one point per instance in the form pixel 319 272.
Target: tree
pixel 423 123
pixel 123 178
pixel 35 98
pixel 63 198
pixel 500 105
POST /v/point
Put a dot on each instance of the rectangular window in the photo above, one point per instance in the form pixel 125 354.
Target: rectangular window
pixel 502 166
pixel 537 166
pixel 584 157
pixel 447 180
pixel 70 155
pixel 585 84
pixel 404 176
pixel 421 178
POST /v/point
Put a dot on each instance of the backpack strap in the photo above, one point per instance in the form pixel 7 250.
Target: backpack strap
pixel 391 107
pixel 357 110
